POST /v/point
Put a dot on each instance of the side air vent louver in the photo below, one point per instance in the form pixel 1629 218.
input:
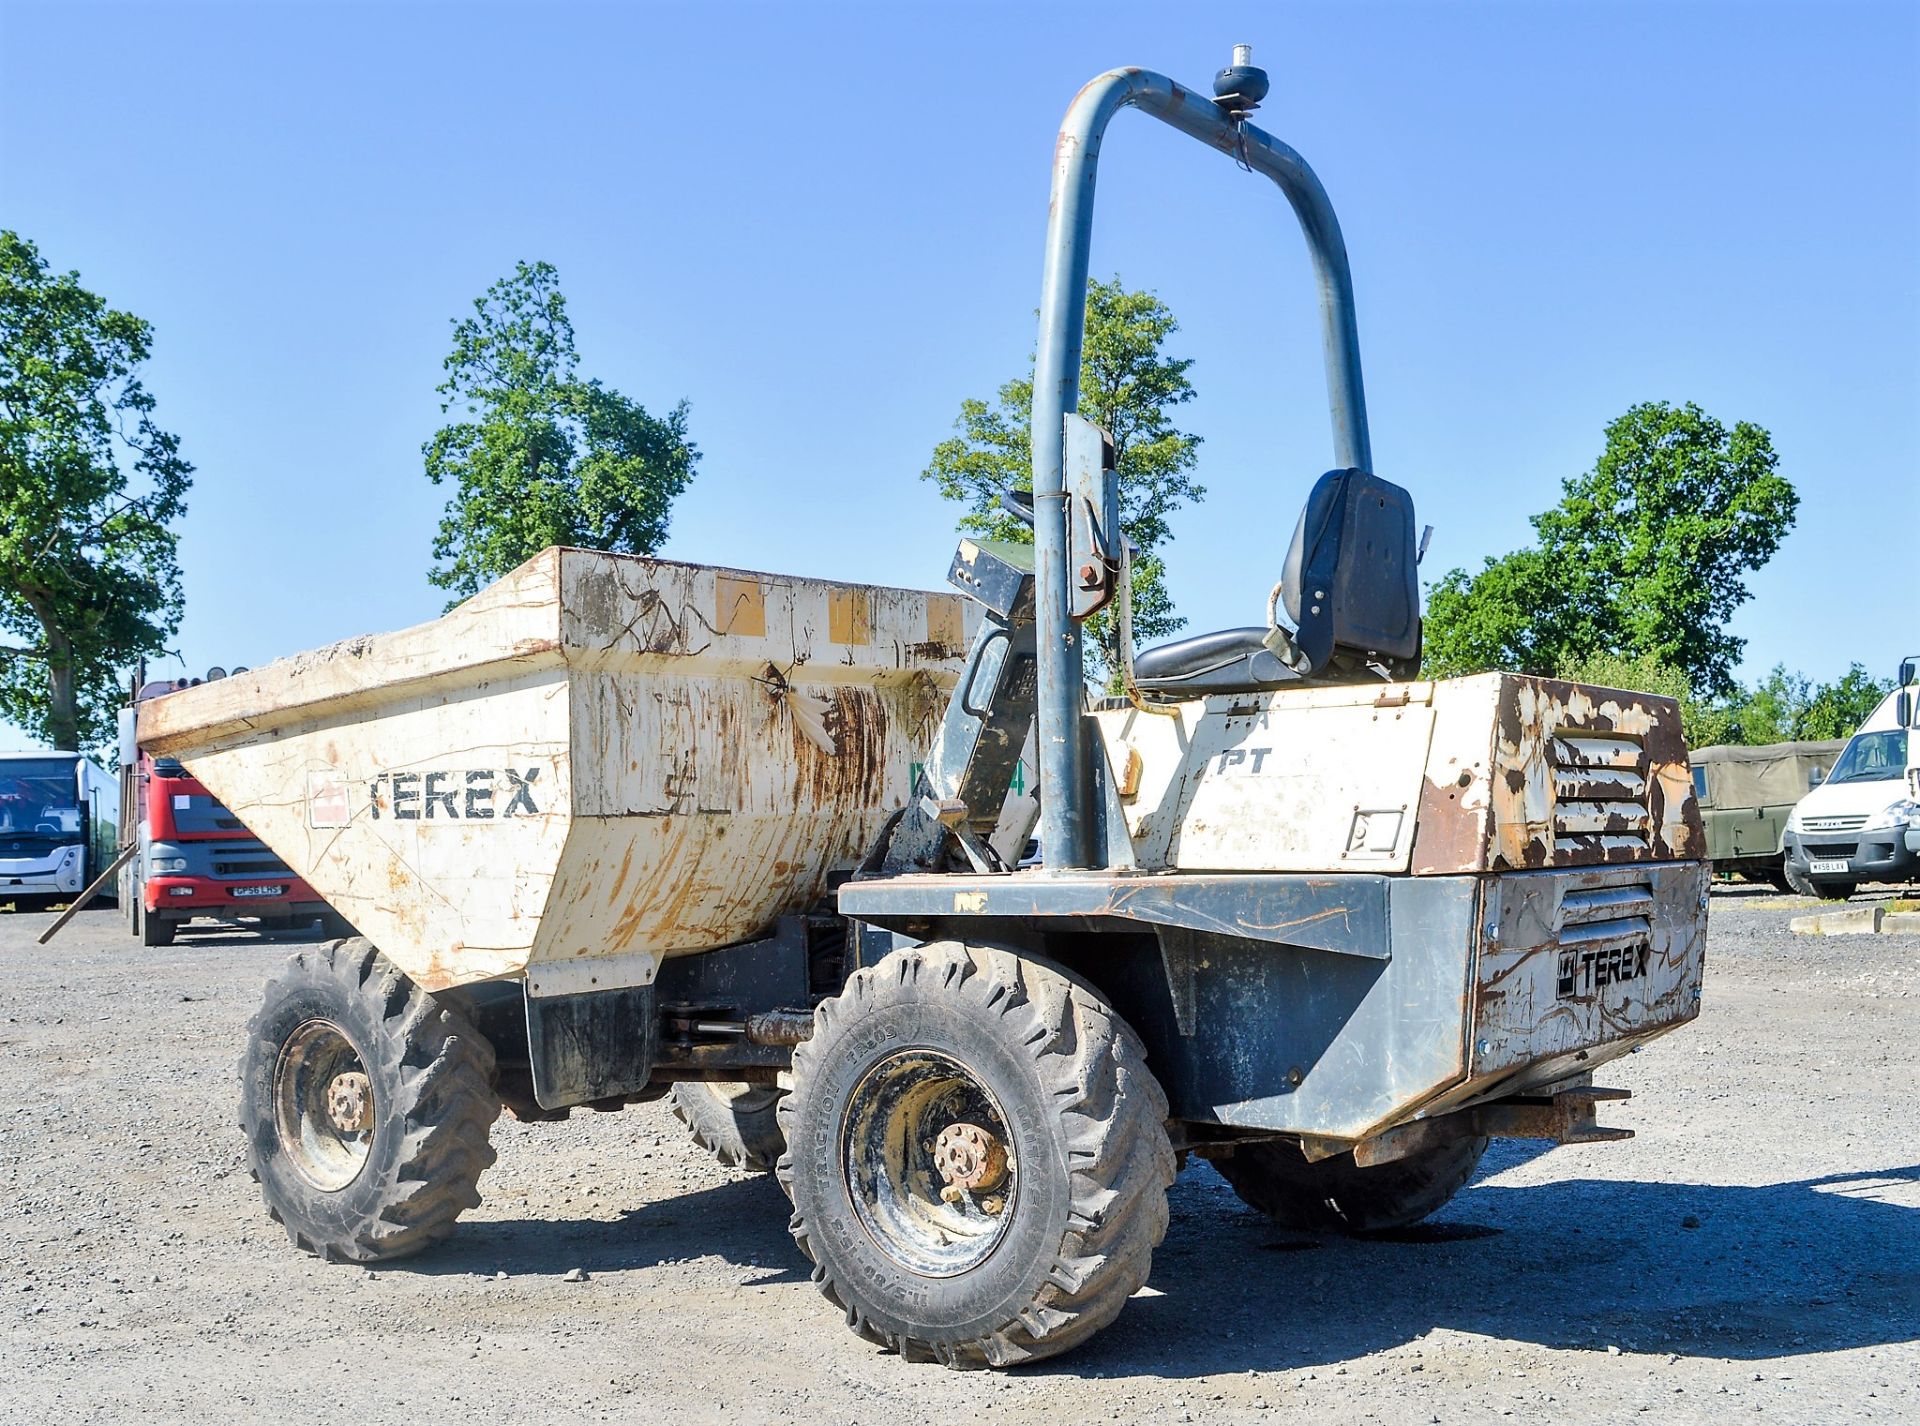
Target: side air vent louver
pixel 1600 795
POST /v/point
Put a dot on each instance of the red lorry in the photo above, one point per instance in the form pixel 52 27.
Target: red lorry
pixel 196 859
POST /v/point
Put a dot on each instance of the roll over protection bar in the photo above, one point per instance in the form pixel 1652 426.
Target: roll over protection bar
pixel 1065 782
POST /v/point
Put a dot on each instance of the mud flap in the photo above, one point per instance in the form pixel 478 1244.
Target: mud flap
pixel 594 1046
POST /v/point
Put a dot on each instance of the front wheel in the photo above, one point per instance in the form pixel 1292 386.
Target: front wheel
pixel 366 1104
pixel 157 930
pixel 1337 1195
pixel 1825 890
pixel 977 1156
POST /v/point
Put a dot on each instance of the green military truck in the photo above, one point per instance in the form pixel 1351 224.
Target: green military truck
pixel 1745 796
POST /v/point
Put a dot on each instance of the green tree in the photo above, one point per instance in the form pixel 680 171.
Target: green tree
pixel 1789 707
pixel 1838 708
pixel 542 457
pixel 1129 386
pixel 89 487
pixel 1773 708
pixel 1645 554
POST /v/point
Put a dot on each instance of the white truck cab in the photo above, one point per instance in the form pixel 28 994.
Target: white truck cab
pixel 1861 823
pixel 1906 704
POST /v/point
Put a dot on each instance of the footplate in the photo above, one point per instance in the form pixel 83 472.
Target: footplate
pixel 1564 1118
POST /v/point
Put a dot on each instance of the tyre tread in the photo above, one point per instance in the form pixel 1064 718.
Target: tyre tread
pixel 441 1073
pixel 1120 1161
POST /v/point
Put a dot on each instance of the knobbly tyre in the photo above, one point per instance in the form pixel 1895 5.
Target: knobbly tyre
pixel 617 828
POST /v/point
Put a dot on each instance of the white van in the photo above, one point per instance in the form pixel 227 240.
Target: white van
pixel 1853 827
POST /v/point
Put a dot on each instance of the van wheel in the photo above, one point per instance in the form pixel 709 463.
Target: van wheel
pixel 366 1104
pixel 977 1156
pixel 737 1123
pixel 1336 1195
pixel 1825 890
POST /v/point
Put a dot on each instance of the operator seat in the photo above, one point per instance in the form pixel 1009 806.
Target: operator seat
pixel 1350 587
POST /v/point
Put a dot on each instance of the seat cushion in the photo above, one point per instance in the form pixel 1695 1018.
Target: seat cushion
pixel 1230 661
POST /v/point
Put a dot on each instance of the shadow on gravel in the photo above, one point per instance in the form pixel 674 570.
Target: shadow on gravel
pixel 743 1221
pixel 1816 1265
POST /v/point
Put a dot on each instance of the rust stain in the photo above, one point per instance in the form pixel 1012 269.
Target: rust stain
pixel 1589 776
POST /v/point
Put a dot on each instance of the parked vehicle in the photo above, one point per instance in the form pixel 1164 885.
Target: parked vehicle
pixel 1907 714
pixel 58 812
pixel 197 861
pixel 620 827
pixel 1746 795
pixel 1854 827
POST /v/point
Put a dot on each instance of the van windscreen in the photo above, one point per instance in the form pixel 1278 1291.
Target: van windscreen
pixel 1872 757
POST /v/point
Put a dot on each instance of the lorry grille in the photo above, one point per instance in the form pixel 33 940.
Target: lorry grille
pixel 260 863
pixel 1599 794
pixel 1830 851
pixel 1851 823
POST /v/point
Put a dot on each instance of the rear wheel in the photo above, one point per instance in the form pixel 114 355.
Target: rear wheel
pixel 1337 1195
pixel 977 1156
pixel 737 1123
pixel 366 1104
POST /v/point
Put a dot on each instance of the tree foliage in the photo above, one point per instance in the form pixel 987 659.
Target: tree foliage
pixel 1790 707
pixel 1646 554
pixel 90 486
pixel 1782 708
pixel 1130 387
pixel 540 456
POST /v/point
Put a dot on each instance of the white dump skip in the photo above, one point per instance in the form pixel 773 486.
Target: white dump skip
pixel 595 762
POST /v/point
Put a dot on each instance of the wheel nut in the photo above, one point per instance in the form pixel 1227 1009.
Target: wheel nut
pixel 970 1158
pixel 350 1102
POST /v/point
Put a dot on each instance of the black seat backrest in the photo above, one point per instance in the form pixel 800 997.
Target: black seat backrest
pixel 1351 581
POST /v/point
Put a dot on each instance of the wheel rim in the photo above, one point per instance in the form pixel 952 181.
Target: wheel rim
pixel 929 1163
pixel 324 1108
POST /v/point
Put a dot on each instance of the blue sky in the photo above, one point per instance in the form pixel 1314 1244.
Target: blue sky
pixel 822 225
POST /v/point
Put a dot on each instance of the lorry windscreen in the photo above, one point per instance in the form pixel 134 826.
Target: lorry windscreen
pixel 39 799
pixel 1872 757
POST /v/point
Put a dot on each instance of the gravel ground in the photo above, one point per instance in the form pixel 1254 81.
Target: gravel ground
pixel 1754 1254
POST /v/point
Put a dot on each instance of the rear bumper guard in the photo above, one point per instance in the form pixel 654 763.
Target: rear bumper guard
pixel 1569 1117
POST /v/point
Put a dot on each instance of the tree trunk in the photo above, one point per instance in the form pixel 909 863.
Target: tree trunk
pixel 63 718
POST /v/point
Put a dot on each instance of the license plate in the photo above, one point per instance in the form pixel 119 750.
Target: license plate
pixel 276 890
pixel 1829 866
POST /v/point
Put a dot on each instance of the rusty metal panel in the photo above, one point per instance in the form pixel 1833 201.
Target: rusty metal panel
pixel 598 761
pixel 1528 773
pixel 1572 962
pixel 1455 822
pixel 1585 776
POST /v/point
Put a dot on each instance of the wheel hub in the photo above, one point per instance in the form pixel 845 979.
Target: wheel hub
pixel 970 1159
pixel 350 1102
pixel 929 1162
pixel 325 1108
